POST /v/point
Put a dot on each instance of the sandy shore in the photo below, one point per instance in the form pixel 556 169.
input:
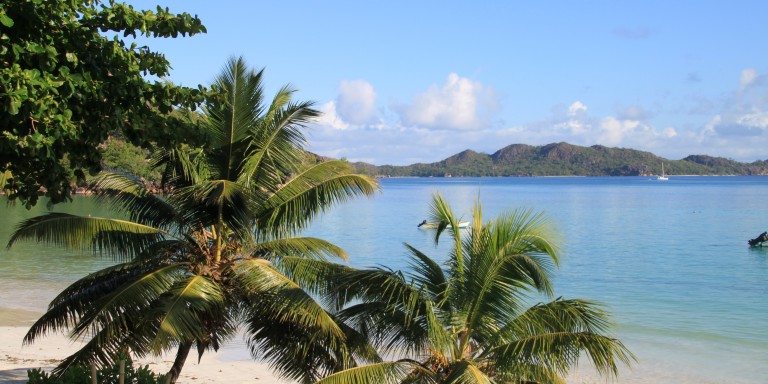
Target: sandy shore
pixel 226 366
pixel 229 365
pixel 232 364
pixel 16 359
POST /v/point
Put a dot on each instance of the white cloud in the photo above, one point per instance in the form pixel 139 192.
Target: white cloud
pixel 459 103
pixel 757 120
pixel 743 115
pixel 356 103
pixel 614 131
pixel 748 77
pixel 453 116
pixel 576 108
pixel 330 118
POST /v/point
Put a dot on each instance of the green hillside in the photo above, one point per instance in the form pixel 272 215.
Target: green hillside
pixel 563 159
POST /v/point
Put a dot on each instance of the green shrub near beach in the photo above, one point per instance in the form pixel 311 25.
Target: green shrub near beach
pixel 110 375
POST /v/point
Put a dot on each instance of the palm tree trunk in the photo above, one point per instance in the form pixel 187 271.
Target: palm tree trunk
pixel 178 364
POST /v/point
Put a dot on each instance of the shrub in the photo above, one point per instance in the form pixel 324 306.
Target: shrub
pixel 108 375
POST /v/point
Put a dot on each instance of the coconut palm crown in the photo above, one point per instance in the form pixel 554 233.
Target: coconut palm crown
pixel 210 256
pixel 473 319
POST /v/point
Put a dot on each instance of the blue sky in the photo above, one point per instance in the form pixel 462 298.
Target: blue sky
pixel 402 82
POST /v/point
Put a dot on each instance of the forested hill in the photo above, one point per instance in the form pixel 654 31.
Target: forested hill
pixel 563 159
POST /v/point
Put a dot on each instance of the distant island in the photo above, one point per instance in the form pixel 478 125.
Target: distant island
pixel 564 159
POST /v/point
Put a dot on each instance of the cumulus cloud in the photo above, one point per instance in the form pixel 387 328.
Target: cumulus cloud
pixel 748 125
pixel 329 117
pixel 576 108
pixel 459 103
pixel 745 112
pixel 757 120
pixel 614 131
pixel 356 103
pixel 450 117
pixel 572 121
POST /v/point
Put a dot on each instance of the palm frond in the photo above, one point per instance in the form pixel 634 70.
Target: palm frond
pixel 101 350
pixel 318 277
pixel 215 202
pixel 559 352
pixel 557 333
pixel 306 247
pixel 526 231
pixel 398 315
pixel 127 195
pixel 270 293
pixel 380 373
pixel 466 372
pixel 429 274
pixel 390 330
pixel 294 205
pixel 305 353
pixel 507 259
pixel 276 148
pixel 528 372
pixel 440 212
pixel 182 311
pixel 182 166
pixel 117 238
pixel 234 117
pixel 128 301
pixel 573 315
pixel 68 307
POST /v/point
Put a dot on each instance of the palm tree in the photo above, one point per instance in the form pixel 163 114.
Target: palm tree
pixel 205 260
pixel 470 320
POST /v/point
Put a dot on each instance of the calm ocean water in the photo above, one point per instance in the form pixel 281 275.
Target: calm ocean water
pixel 670 259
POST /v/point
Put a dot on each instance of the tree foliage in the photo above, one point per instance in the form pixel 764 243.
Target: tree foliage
pixel 69 78
pixel 471 319
pixel 218 252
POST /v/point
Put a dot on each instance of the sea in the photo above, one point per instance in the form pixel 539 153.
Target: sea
pixel 669 259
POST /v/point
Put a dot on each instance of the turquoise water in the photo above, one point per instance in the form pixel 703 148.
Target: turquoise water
pixel 670 259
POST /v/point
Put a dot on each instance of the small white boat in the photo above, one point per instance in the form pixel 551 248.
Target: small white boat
pixel 428 225
pixel 663 176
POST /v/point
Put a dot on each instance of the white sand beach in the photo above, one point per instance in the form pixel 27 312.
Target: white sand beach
pixel 16 359
pixel 231 364
pixel 220 367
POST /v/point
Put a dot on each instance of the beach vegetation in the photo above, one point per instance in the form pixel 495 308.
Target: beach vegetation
pixel 220 253
pixel 106 375
pixel 485 314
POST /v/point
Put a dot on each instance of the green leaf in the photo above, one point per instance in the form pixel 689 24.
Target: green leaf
pixel 5 20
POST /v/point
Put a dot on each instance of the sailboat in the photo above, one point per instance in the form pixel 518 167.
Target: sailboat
pixel 663 176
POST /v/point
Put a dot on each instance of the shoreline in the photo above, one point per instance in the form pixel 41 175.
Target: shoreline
pixel 230 364
pixel 233 364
